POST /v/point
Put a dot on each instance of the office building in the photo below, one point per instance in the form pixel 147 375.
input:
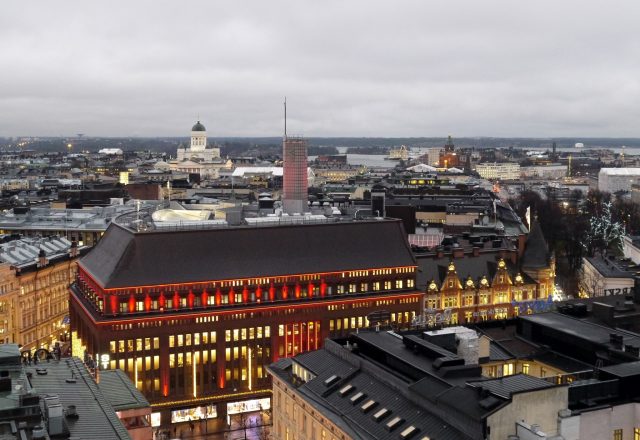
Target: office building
pixel 499 171
pixel 194 316
pixel 295 180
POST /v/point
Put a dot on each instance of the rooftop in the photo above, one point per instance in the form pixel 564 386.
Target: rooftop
pixel 124 258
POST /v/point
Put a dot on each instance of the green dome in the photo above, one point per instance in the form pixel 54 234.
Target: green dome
pixel 198 127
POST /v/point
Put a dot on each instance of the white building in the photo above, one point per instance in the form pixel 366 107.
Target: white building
pixel 631 248
pixel 603 276
pixel 499 171
pixel 618 179
pixel 553 171
pixel 198 149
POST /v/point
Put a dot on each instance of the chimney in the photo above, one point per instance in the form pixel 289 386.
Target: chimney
pixel 439 252
pixel 476 251
pixel 522 240
pixel 42 258
pixel 458 252
pixel 73 250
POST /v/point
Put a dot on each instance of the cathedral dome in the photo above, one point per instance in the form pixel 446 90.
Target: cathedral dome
pixel 198 127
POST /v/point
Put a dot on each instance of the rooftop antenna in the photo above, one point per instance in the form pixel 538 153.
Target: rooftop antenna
pixel 285 117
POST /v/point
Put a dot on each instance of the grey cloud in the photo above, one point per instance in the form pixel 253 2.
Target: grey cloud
pixel 356 68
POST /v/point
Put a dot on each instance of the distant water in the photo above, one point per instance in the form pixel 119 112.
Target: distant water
pixel 368 160
pixel 379 161
pixel 617 150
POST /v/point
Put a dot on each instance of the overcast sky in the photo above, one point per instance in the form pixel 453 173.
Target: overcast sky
pixel 348 68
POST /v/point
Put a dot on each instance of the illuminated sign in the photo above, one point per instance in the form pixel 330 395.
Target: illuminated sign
pixel 104 360
pixel 195 413
pixel 536 306
pixel 248 406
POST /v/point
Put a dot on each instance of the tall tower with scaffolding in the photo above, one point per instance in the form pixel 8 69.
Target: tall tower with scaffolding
pixel 294 180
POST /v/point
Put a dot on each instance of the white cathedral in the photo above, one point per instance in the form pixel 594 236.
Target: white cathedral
pixel 199 159
pixel 198 150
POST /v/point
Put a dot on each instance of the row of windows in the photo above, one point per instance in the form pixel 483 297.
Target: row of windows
pixel 470 300
pixel 130 345
pixel 253 282
pixel 174 301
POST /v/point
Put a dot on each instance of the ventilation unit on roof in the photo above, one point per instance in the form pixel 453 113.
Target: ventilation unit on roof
pixel 345 389
pixel 357 397
pixel 408 432
pixel 331 380
pixel 368 405
pixel 380 414
pixel 394 423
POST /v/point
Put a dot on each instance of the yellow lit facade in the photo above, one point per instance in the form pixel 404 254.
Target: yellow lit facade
pixel 34 303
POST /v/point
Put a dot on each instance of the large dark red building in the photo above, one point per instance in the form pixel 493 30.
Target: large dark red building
pixel 195 316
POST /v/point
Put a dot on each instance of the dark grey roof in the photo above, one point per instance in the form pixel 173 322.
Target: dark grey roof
pixel 628 369
pixel 609 267
pixel 507 385
pixel 97 419
pixel 498 353
pixel 120 392
pixel 348 416
pixel 123 258
pixel 198 127
pixel 536 251
pixel 562 362
pixel 580 329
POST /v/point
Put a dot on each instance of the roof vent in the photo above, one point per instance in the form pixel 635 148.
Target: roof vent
pixel 71 412
pixel 357 397
pixel 408 432
pixel 331 380
pixel 38 433
pixel 368 405
pixel 383 412
pixel 394 423
pixel 345 389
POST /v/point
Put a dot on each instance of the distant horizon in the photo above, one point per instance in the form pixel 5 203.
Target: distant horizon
pixel 541 138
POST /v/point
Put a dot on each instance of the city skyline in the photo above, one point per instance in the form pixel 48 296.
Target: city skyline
pixel 490 69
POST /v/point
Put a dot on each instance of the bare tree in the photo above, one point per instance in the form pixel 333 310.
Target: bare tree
pixel 264 433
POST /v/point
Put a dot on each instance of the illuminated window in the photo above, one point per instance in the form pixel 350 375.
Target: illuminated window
pixel 399 284
pixel 450 301
pixel 410 283
pixel 180 340
pixel 636 433
pixel 340 289
pixel 484 298
pixel 376 285
pixel 364 287
pixel 387 285
pixel 500 297
pixel 352 288
pixel 525 368
pixel 156 343
pixel 507 370
pixel 617 434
